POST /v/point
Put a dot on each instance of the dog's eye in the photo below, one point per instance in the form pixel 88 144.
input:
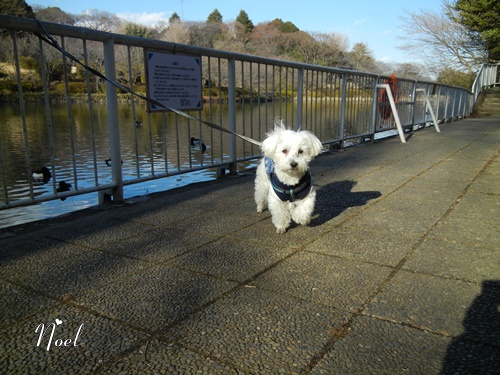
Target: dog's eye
pixel 285 151
pixel 300 151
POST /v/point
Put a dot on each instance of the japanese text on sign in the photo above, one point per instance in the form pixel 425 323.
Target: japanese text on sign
pixel 174 81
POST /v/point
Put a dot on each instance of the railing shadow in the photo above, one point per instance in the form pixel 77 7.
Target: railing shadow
pixel 477 350
pixel 336 197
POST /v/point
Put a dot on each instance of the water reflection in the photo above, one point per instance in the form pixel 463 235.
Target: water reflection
pixel 75 148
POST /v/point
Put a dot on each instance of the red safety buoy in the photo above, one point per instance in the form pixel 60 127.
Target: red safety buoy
pixel 383 99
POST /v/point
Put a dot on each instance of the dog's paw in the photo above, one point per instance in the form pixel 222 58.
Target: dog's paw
pixel 260 208
pixel 280 230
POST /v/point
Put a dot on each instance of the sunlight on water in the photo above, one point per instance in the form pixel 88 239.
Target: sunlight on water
pixel 80 148
pixel 50 209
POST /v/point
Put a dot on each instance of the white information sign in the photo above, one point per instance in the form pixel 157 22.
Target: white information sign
pixel 173 80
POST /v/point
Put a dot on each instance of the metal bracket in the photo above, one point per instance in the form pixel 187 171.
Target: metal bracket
pixel 387 88
pixel 429 107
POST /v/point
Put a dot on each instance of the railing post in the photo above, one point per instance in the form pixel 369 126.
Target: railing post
pixel 113 123
pixel 373 119
pixel 438 101
pixel 453 108
pixel 300 97
pixel 342 109
pixel 446 104
pixel 231 92
pixel 414 102
pixel 460 111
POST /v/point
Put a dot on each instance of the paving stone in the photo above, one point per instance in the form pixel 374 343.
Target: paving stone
pixel 155 297
pixel 164 358
pixel 17 303
pixel 383 247
pixel 161 245
pixel 69 277
pixel 461 224
pixel 373 346
pixel 331 281
pixel 101 233
pixel 231 259
pixel 98 341
pixel 396 273
pixel 428 302
pixel 455 260
pixel 260 331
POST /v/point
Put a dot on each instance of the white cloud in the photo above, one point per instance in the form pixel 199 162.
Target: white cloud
pixel 146 19
pixel 359 22
pixel 386 32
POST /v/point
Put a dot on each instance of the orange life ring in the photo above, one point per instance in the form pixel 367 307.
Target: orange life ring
pixel 383 99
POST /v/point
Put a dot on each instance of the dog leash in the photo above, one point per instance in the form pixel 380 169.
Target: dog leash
pixel 49 39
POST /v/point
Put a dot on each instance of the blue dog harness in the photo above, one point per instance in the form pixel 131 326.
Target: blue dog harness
pixel 288 192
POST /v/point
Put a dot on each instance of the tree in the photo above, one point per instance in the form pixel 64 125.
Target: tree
pixel 138 30
pixel 99 20
pixel 288 27
pixel 174 18
pixel 410 71
pixel 17 8
pixel 334 46
pixel 441 41
pixel 55 15
pixel 267 39
pixel 205 34
pixel 482 19
pixel 215 16
pixel 229 40
pixel 243 19
pixel 177 32
pixel 456 78
pixel 362 57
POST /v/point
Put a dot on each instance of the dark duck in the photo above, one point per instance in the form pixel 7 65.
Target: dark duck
pixel 42 175
pixel 63 186
pixel 196 143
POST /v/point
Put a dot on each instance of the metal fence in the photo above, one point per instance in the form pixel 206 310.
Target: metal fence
pixel 242 93
pixel 487 77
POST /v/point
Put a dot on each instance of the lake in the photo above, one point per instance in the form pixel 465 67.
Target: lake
pixel 161 144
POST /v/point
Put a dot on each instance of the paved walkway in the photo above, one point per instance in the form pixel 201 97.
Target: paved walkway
pixel 399 272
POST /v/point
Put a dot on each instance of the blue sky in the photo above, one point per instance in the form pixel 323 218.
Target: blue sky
pixel 376 23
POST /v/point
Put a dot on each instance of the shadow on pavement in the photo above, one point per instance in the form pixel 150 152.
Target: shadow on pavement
pixel 336 197
pixel 477 350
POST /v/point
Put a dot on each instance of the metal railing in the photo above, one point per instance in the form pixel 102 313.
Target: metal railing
pixel 487 77
pixel 242 93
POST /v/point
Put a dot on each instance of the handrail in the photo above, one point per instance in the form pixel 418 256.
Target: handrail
pixel 485 78
pixel 340 105
pixel 28 24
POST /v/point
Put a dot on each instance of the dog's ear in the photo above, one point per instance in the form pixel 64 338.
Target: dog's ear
pixel 316 145
pixel 269 145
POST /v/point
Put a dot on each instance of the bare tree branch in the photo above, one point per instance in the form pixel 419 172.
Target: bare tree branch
pixel 441 41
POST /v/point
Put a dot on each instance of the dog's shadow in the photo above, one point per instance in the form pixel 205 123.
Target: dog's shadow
pixel 334 198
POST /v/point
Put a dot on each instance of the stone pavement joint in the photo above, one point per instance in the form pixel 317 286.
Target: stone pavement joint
pixel 398 272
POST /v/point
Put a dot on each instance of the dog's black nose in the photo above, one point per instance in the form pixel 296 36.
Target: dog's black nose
pixel 293 164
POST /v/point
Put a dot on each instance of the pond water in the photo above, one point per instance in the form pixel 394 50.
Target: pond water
pixel 77 148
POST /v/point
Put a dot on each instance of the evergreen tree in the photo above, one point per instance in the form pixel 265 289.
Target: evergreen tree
pixel 244 20
pixel 174 18
pixel 138 30
pixel 482 17
pixel 215 16
pixel 288 27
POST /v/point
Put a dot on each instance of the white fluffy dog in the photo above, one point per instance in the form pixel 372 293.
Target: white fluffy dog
pixel 283 182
